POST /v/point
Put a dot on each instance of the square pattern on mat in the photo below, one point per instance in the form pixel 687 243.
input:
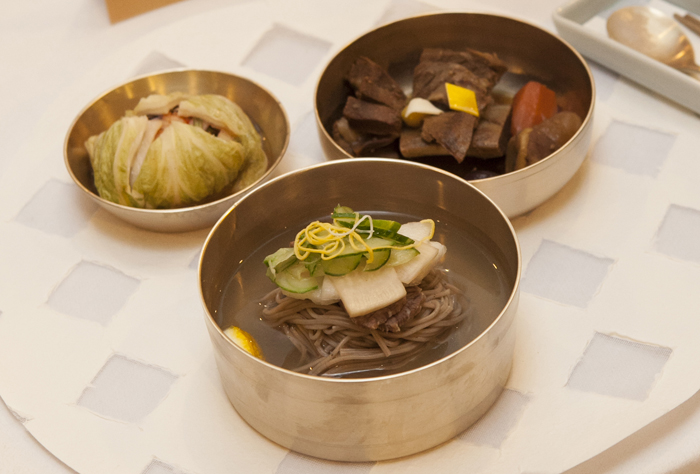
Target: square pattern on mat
pixel 493 428
pixel 57 208
pixel 679 234
pixel 637 150
pixel 618 367
pixel 287 55
pixel 400 9
pixel 295 463
pixel 126 390
pixel 154 62
pixel 93 292
pixel 564 274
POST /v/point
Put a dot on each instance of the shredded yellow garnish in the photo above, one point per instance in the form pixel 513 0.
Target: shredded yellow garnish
pixel 328 239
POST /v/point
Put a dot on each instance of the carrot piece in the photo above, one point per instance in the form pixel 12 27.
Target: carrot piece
pixel 532 104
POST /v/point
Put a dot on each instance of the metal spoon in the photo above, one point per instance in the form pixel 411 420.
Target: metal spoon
pixel 652 33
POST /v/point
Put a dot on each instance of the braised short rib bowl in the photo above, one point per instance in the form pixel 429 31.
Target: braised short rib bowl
pixel 497 101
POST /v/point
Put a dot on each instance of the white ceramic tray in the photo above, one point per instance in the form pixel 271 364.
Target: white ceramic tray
pixel 582 24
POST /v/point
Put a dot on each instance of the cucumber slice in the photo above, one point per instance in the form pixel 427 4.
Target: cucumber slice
pixel 373 242
pixel 377 242
pixel 395 236
pixel 348 220
pixel 350 250
pixel 313 264
pixel 399 257
pixel 315 269
pixel 280 260
pixel 381 257
pixel 381 232
pixel 342 210
pixel 345 217
pixel 350 258
pixel 340 266
pixel 295 279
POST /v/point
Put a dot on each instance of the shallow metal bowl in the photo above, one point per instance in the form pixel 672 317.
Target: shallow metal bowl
pixel 360 419
pixel 530 53
pixel 262 107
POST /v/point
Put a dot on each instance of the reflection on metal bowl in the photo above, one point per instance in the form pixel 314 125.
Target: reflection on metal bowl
pixel 370 418
pixel 530 53
pixel 260 105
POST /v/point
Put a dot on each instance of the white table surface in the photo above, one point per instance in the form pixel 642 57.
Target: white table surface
pixel 44 46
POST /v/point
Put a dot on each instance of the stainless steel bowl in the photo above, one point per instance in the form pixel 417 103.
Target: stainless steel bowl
pixel 361 419
pixel 530 53
pixel 260 105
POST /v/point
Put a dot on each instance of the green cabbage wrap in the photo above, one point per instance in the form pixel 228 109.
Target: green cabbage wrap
pixel 158 156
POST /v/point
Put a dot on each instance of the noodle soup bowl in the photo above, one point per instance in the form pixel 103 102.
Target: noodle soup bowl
pixel 361 418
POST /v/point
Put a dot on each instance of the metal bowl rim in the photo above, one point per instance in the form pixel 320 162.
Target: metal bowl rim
pixel 288 373
pixel 179 210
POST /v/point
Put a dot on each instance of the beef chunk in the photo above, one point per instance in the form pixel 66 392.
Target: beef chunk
pixel 429 80
pixel 470 69
pixel 492 132
pixel 552 134
pixel 533 144
pixel 414 302
pixel 489 140
pixel 356 143
pixel 371 82
pixel 366 117
pixel 452 130
pixel 391 318
pixel 412 145
pixel 486 65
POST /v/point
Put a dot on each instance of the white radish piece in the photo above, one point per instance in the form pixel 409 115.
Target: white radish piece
pixel 329 294
pixel 413 271
pixel 416 230
pixel 442 250
pixel 364 292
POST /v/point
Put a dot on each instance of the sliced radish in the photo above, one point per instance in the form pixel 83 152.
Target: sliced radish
pixel 364 292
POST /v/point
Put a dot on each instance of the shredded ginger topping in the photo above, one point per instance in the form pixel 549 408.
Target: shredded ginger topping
pixel 329 239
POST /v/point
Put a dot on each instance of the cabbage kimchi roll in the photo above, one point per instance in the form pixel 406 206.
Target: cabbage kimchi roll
pixel 176 150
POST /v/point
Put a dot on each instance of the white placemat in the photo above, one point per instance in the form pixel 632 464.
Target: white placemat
pixel 103 351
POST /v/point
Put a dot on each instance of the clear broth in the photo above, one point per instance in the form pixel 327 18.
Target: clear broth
pixel 473 264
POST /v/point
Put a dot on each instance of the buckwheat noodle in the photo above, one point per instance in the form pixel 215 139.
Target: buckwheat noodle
pixel 330 343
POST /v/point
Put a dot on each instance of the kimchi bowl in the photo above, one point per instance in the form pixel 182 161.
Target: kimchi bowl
pixel 526 52
pixel 388 412
pixel 265 113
